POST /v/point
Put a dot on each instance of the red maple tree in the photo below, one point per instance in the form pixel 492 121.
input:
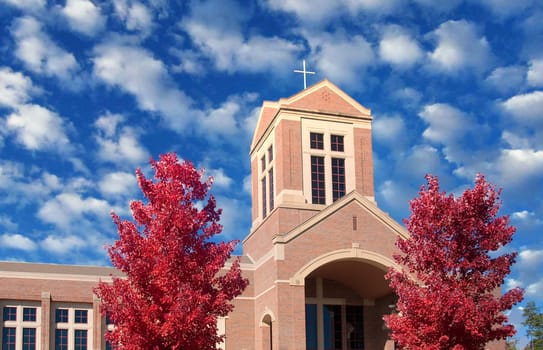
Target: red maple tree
pixel 176 284
pixel 448 292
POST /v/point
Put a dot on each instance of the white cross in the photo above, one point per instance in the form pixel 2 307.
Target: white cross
pixel 305 73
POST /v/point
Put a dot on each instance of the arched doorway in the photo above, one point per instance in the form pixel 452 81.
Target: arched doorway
pixel 345 300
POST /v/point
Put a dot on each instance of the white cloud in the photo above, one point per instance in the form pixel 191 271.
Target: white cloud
pixel 118 183
pixel 373 6
pixel 234 216
pixel 526 108
pixel 459 46
pixel 528 270
pixel 15 88
pixel 341 58
pixel 446 123
pixel 37 128
pixel 136 16
pixel 118 144
pixel 215 28
pixel 17 241
pixel 399 48
pixel 506 8
pixel 62 245
pixel 135 71
pixel 68 207
pixel 40 54
pixel 535 73
pixel 506 79
pixel 220 179
pixel 388 130
pixel 30 5
pixel 441 6
pixel 247 184
pixel 515 166
pixel 83 16
pixel 315 12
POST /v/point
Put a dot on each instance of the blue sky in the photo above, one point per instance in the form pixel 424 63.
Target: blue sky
pixel 89 91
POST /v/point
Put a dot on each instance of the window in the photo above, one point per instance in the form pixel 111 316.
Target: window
pixel 317 180
pixel 336 143
pixel 80 339
pixel 61 339
pixel 316 140
pixel 61 315
pixel 264 198
pixel 29 314
pixel 338 178
pixel 80 316
pixel 29 338
pixel 266 182
pixel 8 338
pixel 10 313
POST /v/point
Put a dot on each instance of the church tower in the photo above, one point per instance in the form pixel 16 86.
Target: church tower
pixel 308 151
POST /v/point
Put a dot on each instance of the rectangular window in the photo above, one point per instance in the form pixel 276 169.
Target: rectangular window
pixel 270 183
pixel 264 200
pixel 29 314
pixel 61 315
pixel 61 339
pixel 8 338
pixel 10 313
pixel 336 143
pixel 332 326
pixel 311 326
pixel 355 322
pixel 316 140
pixel 29 338
pixel 338 178
pixel 263 163
pixel 80 339
pixel 317 180
pixel 80 316
pixel 270 154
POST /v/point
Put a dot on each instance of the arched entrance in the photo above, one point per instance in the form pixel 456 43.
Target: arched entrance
pixel 345 300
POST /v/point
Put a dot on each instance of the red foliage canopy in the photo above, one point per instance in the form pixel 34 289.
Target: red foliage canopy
pixel 448 293
pixel 174 288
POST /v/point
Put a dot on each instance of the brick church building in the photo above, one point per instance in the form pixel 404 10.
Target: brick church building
pixel 315 256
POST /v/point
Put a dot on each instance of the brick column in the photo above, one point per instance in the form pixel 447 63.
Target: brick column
pixel 97 334
pixel 45 320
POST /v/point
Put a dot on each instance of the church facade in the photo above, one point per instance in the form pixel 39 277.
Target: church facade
pixel 315 257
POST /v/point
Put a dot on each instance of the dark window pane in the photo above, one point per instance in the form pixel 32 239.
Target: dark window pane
pixel 10 313
pixel 316 140
pixel 29 338
pixel 270 183
pixel 29 314
pixel 80 339
pixel 311 327
pixel 355 327
pixel 336 143
pixel 61 315
pixel 80 316
pixel 317 180
pixel 263 163
pixel 332 327
pixel 338 178
pixel 61 339
pixel 8 338
pixel 264 199
pixel 270 154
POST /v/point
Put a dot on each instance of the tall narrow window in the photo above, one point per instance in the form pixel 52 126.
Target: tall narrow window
pixel 316 140
pixel 270 183
pixel 355 331
pixel 336 143
pixel 338 178
pixel 270 154
pixel 264 198
pixel 8 338
pixel 80 339
pixel 317 180
pixel 29 338
pixel 61 339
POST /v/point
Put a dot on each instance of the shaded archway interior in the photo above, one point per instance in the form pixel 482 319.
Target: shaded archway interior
pixel 366 280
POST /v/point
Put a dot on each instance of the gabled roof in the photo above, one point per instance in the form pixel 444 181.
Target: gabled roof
pixel 353 196
pixel 323 97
